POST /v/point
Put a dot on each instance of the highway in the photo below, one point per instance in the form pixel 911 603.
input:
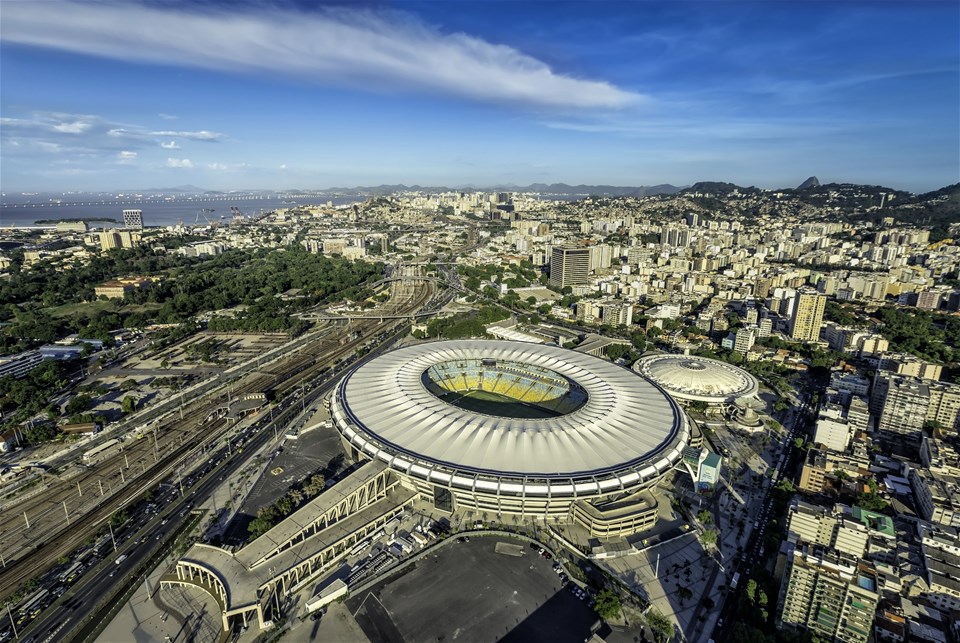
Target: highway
pixel 154 458
pixel 80 604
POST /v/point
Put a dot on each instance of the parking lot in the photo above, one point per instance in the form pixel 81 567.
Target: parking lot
pixel 483 596
pixel 315 451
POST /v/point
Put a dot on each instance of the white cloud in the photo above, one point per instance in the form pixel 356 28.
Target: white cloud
pixel 182 163
pixel 75 127
pixel 283 167
pixel 354 47
pixel 216 166
pixel 167 117
pixel 202 135
pixel 85 136
pixel 126 157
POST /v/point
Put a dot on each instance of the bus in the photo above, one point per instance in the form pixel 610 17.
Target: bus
pixel 32 605
pixel 71 573
pixel 98 453
pixel 359 548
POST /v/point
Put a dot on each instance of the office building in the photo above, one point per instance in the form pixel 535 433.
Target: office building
pixel 569 266
pixel 118 239
pixel 133 219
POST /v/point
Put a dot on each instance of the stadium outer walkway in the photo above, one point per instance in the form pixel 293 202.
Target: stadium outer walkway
pixel 254 580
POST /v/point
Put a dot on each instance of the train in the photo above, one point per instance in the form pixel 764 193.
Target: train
pixel 100 452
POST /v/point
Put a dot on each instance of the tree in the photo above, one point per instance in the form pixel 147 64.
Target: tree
pixel 705 517
pixel 118 518
pixel 709 537
pixel 77 404
pixel 128 385
pixel 662 626
pixel 607 605
pixel 699 406
pixel 616 351
pixel 871 501
pixel 129 404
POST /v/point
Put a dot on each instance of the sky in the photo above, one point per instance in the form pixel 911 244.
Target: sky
pixel 280 95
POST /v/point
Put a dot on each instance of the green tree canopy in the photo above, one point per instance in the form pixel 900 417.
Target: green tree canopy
pixel 607 604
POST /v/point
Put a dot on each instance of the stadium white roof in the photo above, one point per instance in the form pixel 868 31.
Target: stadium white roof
pixel 692 378
pixel 625 422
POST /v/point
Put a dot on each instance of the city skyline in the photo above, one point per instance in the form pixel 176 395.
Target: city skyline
pixel 130 96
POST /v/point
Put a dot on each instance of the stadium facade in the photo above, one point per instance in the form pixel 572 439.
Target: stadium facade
pixel 511 428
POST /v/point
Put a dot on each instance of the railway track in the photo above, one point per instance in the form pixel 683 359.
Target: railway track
pixel 58 520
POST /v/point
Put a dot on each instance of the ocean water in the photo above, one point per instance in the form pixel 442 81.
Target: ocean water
pixel 156 212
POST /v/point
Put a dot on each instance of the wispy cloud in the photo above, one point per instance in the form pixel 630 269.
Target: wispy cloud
pixel 167 117
pixel 181 163
pixel 351 47
pixel 202 135
pixel 126 157
pixel 90 135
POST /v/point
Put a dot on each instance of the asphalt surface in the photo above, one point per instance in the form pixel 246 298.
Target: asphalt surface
pixel 317 451
pixel 752 552
pixel 482 596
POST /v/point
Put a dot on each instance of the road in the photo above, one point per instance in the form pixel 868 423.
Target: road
pixel 81 599
pixel 754 550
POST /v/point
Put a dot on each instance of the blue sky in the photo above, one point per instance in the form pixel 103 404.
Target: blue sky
pixel 132 95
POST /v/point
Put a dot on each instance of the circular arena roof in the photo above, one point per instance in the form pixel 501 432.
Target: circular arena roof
pixel 691 378
pixel 626 431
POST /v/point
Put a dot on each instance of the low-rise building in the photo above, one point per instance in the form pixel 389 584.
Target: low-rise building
pixel 118 288
pixel 20 364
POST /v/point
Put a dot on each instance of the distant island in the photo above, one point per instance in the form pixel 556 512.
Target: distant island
pixel 76 219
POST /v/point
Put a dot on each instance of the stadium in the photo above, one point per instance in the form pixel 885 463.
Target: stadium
pixel 502 427
pixel 689 378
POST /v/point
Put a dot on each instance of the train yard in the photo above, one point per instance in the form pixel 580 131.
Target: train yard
pixel 77 500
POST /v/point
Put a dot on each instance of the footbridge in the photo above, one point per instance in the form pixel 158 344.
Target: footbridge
pixel 253 582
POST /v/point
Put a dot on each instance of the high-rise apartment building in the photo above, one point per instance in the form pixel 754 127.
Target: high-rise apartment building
pixel 745 338
pixel 830 593
pixel 133 219
pixel 569 266
pixel 900 403
pixel 944 404
pixel 906 364
pixel 807 316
